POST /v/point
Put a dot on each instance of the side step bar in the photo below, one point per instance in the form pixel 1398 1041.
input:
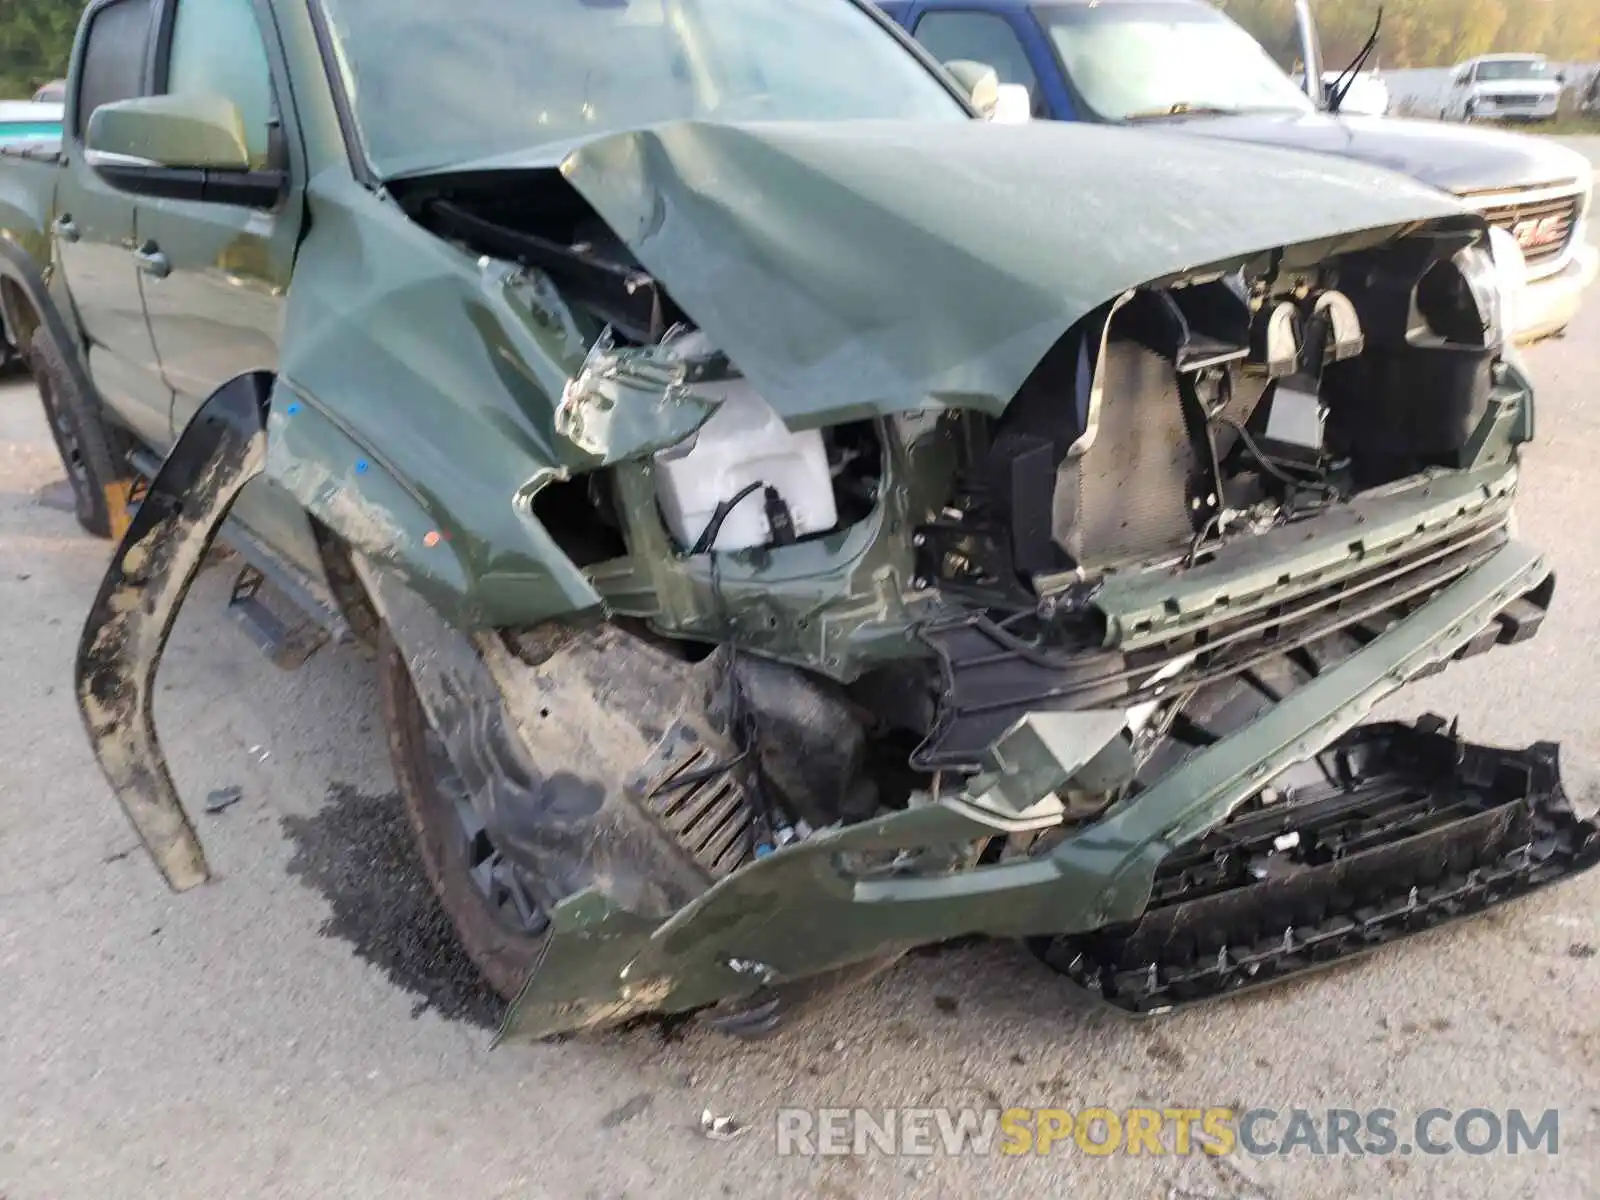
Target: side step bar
pixel 286 637
pixel 283 617
pixel 1415 829
pixel 222 450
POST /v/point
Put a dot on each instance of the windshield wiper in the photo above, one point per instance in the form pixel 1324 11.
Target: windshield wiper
pixel 1347 77
pixel 1182 109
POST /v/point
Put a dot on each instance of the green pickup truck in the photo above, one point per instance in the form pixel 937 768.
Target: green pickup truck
pixel 794 517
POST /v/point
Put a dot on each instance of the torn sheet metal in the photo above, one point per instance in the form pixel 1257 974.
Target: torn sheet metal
pixel 563 736
pixel 626 403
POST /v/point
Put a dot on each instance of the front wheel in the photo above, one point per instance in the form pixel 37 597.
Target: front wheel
pixel 500 925
pixel 93 452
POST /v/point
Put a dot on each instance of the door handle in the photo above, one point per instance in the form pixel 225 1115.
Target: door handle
pixel 152 262
pixel 66 229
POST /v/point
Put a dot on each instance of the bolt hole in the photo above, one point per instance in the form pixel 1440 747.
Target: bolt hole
pixel 545 713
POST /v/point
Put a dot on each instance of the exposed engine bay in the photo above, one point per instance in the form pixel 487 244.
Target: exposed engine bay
pixel 1168 420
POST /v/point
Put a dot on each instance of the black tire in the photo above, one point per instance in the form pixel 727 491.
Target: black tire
pixel 503 953
pixel 93 452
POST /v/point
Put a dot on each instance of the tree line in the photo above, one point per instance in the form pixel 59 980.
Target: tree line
pixel 36 35
pixel 35 40
pixel 1428 33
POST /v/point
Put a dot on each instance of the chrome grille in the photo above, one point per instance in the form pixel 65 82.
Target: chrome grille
pixel 1541 223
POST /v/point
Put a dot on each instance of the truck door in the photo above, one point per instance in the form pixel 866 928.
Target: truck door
pixel 215 298
pixel 215 292
pixel 986 37
pixel 94 227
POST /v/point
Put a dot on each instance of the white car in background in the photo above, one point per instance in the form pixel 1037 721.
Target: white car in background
pixel 1503 87
pixel 1368 94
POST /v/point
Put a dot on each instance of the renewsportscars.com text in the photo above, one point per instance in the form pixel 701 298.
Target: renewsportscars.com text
pixel 1102 1132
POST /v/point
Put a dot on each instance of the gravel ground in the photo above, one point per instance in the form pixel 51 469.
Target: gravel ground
pixel 305 1027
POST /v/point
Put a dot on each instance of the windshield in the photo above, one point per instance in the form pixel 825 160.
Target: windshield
pixel 1149 59
pixel 1520 68
pixel 436 84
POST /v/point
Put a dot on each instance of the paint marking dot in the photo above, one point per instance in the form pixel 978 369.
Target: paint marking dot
pixel 431 538
pixel 293 410
pixel 361 466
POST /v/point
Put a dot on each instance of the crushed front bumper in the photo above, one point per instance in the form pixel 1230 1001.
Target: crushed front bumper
pixel 1410 829
pixel 858 893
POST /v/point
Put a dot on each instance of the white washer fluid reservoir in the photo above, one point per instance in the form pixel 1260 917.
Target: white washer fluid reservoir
pixel 744 442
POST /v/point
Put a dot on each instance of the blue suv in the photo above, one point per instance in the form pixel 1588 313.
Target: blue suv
pixel 1185 66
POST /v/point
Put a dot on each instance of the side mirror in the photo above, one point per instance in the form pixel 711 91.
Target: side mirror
pixel 189 147
pixel 1014 105
pixel 981 83
pixel 204 133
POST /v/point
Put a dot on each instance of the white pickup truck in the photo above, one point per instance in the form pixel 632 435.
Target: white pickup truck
pixel 1503 87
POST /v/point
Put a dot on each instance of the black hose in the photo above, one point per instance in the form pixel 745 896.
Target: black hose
pixel 713 528
pixel 1270 467
pixel 741 720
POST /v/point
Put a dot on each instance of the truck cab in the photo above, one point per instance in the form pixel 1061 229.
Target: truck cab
pixel 1186 67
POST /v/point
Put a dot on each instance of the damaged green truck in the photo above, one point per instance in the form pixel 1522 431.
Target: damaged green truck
pixel 796 519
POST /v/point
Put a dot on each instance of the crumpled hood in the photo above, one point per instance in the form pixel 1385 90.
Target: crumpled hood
pixel 850 268
pixel 1455 158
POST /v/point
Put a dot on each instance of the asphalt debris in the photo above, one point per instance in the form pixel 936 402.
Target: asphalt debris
pixel 358 854
pixel 57 496
pixel 223 798
pixel 720 1129
pixel 1161 1049
pixel 635 1106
